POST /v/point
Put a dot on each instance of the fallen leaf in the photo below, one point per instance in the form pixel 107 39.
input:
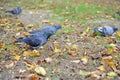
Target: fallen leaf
pixel 30 26
pixel 112 74
pixel 20 24
pixel 86 31
pixel 73 53
pixel 35 53
pixel 73 47
pixel 75 61
pixel 30 66
pixel 16 57
pixel 26 33
pixel 84 73
pixel 39 62
pixel 10 64
pixel 26 53
pixel 84 59
pixel 48 60
pixel 57 50
pixel 95 77
pixel 102 68
pixel 40 70
pixel 2 45
pixel 45 21
pixel 19 28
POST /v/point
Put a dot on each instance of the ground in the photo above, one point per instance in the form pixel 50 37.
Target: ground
pixel 73 53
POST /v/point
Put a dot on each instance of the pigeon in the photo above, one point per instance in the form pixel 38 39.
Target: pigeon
pixel 16 11
pixel 118 13
pixel 38 38
pixel 52 29
pixel 106 30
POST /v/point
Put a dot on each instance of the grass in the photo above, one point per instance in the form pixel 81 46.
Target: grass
pixel 79 10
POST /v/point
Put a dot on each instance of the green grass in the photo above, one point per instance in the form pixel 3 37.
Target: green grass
pixel 68 9
pixel 65 30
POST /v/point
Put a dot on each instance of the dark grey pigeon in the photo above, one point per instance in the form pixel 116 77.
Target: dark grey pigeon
pixel 38 38
pixel 16 11
pixel 45 29
pixel 118 13
pixel 106 30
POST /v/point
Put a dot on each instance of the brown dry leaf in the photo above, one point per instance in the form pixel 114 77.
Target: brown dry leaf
pixel 45 21
pixel 32 77
pixel 27 77
pixel 84 59
pixel 54 71
pixel 30 66
pixel 30 26
pixel 102 68
pixel 16 57
pixel 26 33
pixel 75 61
pixel 84 73
pixel 40 70
pixel 20 24
pixel 17 35
pixel 39 62
pixel 10 64
pixel 73 53
pixel 48 60
pixel 95 77
pixel 2 45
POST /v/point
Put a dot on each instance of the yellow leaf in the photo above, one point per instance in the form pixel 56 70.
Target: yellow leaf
pixel 40 70
pixel 35 53
pixel 26 53
pixel 16 57
pixel 26 33
pixel 86 31
pixel 54 71
pixel 118 33
pixel 20 24
pixel 56 44
pixel 19 28
pixel 30 25
pixel 74 47
pixel 57 50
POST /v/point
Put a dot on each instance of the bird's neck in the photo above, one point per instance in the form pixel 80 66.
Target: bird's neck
pixel 47 35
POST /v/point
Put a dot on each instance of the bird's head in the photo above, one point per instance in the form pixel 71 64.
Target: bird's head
pixel 58 26
pixel 115 29
pixel 19 8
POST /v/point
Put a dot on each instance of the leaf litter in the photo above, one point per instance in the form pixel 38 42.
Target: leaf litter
pixel 78 61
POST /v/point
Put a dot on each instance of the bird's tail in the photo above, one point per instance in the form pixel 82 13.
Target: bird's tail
pixel 20 40
pixel 8 11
